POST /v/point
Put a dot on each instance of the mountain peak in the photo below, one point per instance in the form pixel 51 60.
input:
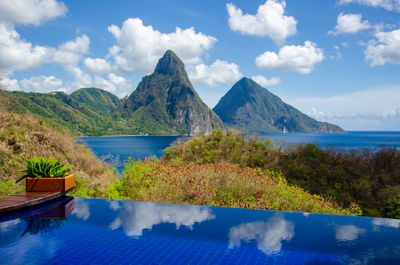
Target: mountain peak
pixel 170 64
pixel 249 106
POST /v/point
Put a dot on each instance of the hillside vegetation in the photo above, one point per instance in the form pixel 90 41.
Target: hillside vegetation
pixel 25 136
pixel 216 184
pixel 369 179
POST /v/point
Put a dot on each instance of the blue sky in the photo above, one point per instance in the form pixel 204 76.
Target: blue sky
pixel 337 60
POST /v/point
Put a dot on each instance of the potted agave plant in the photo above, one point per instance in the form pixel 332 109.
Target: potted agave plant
pixel 46 174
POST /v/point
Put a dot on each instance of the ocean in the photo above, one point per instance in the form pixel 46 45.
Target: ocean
pixel 116 150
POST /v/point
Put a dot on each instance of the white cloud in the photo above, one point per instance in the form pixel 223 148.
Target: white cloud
pixel 115 84
pixel 219 73
pixel 7 83
pixel 269 21
pixel 385 49
pixel 33 12
pixel 264 82
pixel 350 24
pixel 17 53
pixel 139 46
pixel 386 4
pixel 348 232
pixel 268 235
pixel 97 65
pixel 41 84
pixel 71 52
pixel 82 79
pixel 292 58
pixel 361 110
pixel 136 217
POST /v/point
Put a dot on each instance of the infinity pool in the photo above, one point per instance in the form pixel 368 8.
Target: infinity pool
pixel 97 231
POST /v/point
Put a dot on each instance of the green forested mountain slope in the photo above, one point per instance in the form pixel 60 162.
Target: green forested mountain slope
pixel 61 109
pixel 98 100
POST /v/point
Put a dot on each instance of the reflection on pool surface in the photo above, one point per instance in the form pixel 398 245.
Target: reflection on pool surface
pixel 97 231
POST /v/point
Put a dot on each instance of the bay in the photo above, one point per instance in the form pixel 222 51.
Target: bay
pixel 116 150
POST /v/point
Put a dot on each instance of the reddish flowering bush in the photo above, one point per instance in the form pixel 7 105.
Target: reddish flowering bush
pixel 219 184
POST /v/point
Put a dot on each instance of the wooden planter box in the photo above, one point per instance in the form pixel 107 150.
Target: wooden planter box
pixel 50 184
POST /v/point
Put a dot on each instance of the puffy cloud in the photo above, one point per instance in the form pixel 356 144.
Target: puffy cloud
pixel 82 79
pixel 385 49
pixel 97 65
pixel 115 84
pixel 41 84
pixel 219 73
pixel 268 235
pixel 136 217
pixel 139 46
pixel 33 12
pixel 18 54
pixel 71 52
pixel 386 4
pixel 262 81
pixel 350 24
pixel 348 232
pixel 270 21
pixel 7 83
pixel 292 58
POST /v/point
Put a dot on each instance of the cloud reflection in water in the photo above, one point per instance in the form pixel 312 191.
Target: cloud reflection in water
pixel 136 217
pixel 268 235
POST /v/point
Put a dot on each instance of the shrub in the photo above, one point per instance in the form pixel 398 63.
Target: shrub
pixel 40 167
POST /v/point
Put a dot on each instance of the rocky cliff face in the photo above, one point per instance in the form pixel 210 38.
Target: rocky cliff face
pixel 165 102
pixel 250 107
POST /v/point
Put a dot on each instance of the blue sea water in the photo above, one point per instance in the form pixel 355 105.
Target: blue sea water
pixel 117 149
pixel 77 230
pixel 349 140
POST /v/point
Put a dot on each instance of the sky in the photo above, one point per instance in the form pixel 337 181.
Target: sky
pixel 335 60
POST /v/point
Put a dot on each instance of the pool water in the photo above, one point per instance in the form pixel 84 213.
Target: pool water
pixel 98 231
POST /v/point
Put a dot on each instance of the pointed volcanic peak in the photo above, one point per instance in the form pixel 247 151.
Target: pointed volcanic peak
pixel 170 64
pixel 165 102
pixel 250 107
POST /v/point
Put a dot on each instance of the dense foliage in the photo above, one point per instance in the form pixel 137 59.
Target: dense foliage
pixel 366 177
pixel 217 184
pixel 41 167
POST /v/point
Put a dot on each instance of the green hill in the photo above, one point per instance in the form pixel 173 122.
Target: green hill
pixel 60 109
pixel 250 107
pixel 100 101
